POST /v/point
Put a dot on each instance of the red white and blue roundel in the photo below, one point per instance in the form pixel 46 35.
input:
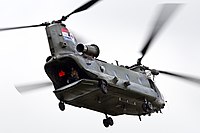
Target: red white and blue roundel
pixel 67 35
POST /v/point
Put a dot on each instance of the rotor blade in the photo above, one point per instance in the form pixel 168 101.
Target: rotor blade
pixel 22 27
pixel 80 9
pixel 185 77
pixel 33 86
pixel 167 10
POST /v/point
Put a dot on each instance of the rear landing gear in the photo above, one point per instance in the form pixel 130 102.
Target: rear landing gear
pixel 61 105
pixel 108 121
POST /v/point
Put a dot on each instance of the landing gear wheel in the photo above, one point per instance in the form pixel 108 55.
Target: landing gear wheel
pixel 61 105
pixel 105 123
pixel 108 121
pixel 103 86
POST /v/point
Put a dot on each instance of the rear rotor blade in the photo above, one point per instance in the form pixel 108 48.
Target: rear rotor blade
pixel 80 9
pixel 185 77
pixel 167 10
pixel 22 27
pixel 33 86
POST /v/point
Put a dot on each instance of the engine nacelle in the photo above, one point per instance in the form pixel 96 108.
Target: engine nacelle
pixel 91 50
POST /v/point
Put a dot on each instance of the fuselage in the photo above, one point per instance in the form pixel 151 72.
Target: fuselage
pixel 67 66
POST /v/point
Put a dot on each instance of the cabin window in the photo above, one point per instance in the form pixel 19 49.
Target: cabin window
pixel 115 73
pixel 140 80
pixel 127 77
pixel 102 68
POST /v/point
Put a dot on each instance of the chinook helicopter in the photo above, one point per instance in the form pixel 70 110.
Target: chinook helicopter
pixel 82 80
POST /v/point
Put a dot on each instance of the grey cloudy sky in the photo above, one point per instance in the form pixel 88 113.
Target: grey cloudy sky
pixel 119 28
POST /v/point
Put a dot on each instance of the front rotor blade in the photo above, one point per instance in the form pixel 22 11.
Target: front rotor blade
pixel 33 86
pixel 167 10
pixel 81 8
pixel 185 77
pixel 22 27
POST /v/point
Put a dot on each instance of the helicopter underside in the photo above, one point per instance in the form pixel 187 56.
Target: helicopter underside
pixel 87 93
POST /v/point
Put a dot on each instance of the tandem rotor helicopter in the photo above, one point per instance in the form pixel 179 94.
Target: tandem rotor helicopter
pixel 82 80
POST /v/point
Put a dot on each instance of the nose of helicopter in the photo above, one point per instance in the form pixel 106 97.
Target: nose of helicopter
pixel 160 102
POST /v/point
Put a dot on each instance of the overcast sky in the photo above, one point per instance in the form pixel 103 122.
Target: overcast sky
pixel 119 28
